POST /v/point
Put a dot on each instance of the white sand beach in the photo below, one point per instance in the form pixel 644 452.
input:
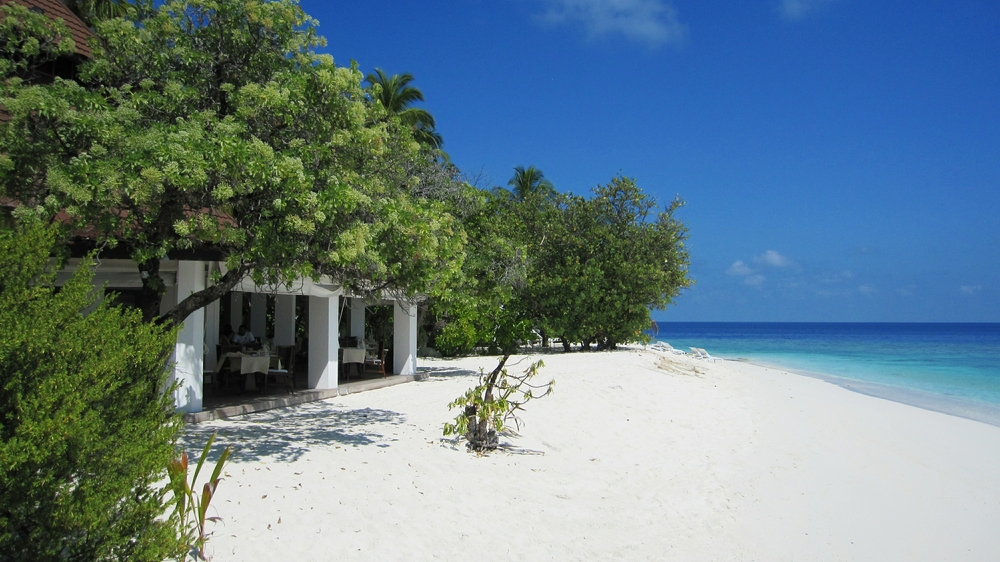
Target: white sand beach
pixel 638 455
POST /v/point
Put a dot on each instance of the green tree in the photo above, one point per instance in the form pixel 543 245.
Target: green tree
pixel 397 97
pixel 490 307
pixel 483 306
pixel 565 277
pixel 606 262
pixel 30 41
pixel 214 128
pixel 85 429
pixel 92 11
pixel 530 183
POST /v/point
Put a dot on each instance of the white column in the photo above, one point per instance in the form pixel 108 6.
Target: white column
pixel 258 315
pixel 358 318
pixel 404 339
pixel 284 320
pixel 188 357
pixel 236 310
pixel 323 342
pixel 169 299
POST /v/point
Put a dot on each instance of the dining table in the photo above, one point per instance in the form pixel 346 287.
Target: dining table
pixel 353 355
pixel 248 364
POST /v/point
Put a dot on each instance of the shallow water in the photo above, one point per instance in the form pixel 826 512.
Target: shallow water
pixel 946 367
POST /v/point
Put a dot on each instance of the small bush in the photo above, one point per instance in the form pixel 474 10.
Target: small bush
pixel 489 407
pixel 86 429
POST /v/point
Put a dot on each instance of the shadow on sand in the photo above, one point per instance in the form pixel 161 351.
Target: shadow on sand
pixel 284 435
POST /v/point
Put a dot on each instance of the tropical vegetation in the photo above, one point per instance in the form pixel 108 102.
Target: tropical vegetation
pixel 205 128
pixel 86 430
pixel 397 97
pixel 216 128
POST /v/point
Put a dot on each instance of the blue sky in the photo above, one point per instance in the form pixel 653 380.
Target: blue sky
pixel 840 159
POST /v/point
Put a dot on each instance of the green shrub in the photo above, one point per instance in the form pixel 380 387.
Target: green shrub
pixel 489 407
pixel 86 429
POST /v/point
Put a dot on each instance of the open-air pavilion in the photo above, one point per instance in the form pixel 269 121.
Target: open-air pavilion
pixel 196 351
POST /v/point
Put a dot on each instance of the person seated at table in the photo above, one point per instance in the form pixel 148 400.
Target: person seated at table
pixel 245 337
pixel 226 338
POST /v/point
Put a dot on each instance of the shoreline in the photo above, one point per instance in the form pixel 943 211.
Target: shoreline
pixel 961 407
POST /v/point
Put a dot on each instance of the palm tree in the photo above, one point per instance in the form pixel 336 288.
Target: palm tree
pixel 529 182
pixel 396 96
pixel 92 11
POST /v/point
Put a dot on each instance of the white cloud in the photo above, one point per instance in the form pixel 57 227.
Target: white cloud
pixel 751 275
pixel 773 259
pixel 798 9
pixel 867 289
pixel 739 268
pixel 970 289
pixel 652 22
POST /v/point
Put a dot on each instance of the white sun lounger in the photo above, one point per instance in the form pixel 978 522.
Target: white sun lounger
pixel 664 346
pixel 705 355
pixel 667 347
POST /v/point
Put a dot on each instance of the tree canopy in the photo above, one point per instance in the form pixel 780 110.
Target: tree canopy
pixel 562 265
pixel 397 97
pixel 607 262
pixel 530 182
pixel 214 128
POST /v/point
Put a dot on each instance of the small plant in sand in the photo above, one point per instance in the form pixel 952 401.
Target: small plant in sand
pixel 190 508
pixel 488 408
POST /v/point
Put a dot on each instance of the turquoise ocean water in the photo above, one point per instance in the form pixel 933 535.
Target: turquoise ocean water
pixel 952 368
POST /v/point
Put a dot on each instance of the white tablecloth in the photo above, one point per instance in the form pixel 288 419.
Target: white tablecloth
pixel 354 355
pixel 248 364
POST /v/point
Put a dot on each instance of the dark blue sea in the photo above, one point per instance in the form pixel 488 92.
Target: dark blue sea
pixel 954 368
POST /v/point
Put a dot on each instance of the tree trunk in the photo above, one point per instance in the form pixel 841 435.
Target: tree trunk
pixel 152 289
pixel 204 297
pixel 565 343
pixel 481 436
pixel 491 380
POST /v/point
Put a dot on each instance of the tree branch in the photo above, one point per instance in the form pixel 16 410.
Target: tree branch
pixel 204 297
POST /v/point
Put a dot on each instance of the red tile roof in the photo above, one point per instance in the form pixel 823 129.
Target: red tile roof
pixel 56 9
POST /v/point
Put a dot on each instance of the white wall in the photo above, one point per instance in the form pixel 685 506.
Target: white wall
pixel 188 351
pixel 404 339
pixel 284 320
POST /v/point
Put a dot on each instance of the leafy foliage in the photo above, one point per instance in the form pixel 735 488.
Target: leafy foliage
pixel 530 182
pixel 191 509
pixel 85 429
pixel 29 40
pixel 585 270
pixel 490 407
pixel 92 11
pixel 215 126
pixel 397 96
pixel 605 262
pixel 482 307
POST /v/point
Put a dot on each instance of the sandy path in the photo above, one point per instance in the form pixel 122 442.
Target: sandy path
pixel 637 456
